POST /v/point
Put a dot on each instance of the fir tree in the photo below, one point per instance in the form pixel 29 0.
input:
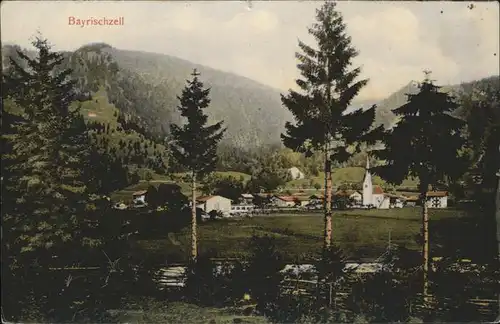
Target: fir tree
pixel 49 211
pixel 49 144
pixel 426 144
pixel 328 86
pixel 194 145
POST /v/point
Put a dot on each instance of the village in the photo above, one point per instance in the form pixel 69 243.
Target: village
pixel 249 204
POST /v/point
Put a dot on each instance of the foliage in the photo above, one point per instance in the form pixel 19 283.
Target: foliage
pixel 430 138
pixel 228 187
pixel 328 88
pixel 266 180
pixel 166 195
pixel 263 273
pixel 194 144
pixel 51 199
pixel 212 284
pixel 382 297
pixel 331 274
pixel 200 281
pixel 480 108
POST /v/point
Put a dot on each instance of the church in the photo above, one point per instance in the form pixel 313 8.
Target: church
pixel 373 195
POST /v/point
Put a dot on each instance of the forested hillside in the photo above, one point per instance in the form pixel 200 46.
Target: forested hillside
pixel 129 99
pixel 143 88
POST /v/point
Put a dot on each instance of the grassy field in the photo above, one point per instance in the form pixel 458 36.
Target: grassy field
pixel 363 234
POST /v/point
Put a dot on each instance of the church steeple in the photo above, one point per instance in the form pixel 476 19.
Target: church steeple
pixel 367 185
pixel 367 170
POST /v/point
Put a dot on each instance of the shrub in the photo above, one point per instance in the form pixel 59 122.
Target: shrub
pixel 264 276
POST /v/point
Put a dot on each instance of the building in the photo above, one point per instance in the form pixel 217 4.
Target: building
pixel 373 195
pixel 396 201
pixel 412 201
pixel 367 186
pixel 218 203
pixel 283 201
pixel 301 199
pixel 139 197
pixel 241 209
pixel 437 199
pixel 316 199
pixel 247 199
pixel 352 195
pixel 295 173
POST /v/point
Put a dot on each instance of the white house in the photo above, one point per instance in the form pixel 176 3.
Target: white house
pixel 302 199
pixel 247 198
pixel 351 194
pixel 241 209
pixel 295 173
pixel 139 197
pixel 209 203
pixel 373 195
pixel 283 201
pixel 437 199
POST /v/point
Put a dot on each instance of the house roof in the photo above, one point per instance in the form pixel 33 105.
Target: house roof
pixel 437 193
pixel 301 198
pixel 430 194
pixel 395 196
pixel 346 193
pixel 247 195
pixel 286 198
pixel 377 190
pixel 206 198
pixel 139 193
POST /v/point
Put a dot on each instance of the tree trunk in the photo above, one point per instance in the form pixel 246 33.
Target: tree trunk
pixel 328 199
pixel 497 218
pixel 425 246
pixel 328 168
pixel 194 241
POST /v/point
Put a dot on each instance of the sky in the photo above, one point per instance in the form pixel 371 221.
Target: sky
pixel 396 40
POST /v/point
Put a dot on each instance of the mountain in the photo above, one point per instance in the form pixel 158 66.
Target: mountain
pixel 143 87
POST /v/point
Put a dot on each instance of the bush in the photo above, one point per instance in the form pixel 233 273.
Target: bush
pixel 200 281
pixel 330 269
pixel 211 284
pixel 381 298
pixel 264 276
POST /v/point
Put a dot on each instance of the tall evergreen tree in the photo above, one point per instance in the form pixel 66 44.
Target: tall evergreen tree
pixel 481 110
pixel 194 145
pixel 480 107
pixel 426 144
pixel 328 85
pixel 48 211
pixel 49 144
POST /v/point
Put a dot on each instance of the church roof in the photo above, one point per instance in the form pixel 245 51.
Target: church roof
pixel 377 190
